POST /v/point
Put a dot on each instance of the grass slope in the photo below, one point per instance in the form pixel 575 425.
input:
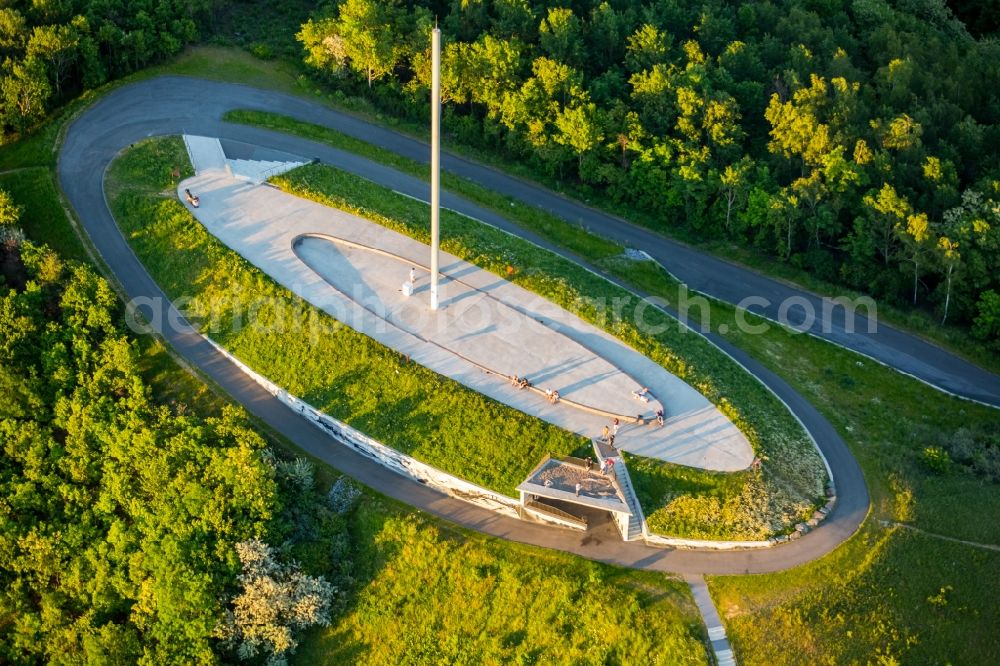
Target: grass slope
pixel 545 224
pixel 884 417
pixel 343 372
pixel 888 597
pixel 899 594
pixel 591 609
pixel 439 595
pixel 678 500
pixel 42 215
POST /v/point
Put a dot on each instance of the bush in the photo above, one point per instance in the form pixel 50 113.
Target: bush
pixel 276 599
pixel 936 459
pixel 987 464
pixel 975 449
pixel 262 51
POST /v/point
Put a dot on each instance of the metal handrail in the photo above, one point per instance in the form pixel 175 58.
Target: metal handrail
pixel 269 172
pixel 264 177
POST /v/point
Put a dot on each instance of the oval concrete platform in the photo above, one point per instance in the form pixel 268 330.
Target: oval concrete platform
pixel 261 223
pixel 475 326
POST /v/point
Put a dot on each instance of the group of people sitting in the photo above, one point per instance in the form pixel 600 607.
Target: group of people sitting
pixel 519 382
pixel 551 395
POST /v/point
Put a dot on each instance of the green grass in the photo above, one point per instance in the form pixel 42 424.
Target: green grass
pixel 411 576
pixel 887 597
pixel 220 63
pixel 869 599
pixel 42 214
pixel 339 370
pixel 887 420
pixel 27 165
pixel 611 611
pixel 918 322
pixel 546 225
pixel 434 594
pixel 745 505
pixel 404 571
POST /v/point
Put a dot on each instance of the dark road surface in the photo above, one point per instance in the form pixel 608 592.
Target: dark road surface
pixel 173 105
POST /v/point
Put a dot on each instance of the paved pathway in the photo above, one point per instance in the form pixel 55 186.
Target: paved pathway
pixel 172 105
pixel 484 323
pixel 716 632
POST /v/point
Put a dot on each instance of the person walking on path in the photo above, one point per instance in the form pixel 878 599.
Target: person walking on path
pixel 590 463
pixel 611 441
pixel 578 487
pixel 604 434
pixel 614 427
pixel 413 275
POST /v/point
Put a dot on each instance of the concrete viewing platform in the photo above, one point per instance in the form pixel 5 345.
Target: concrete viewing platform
pixel 556 479
pixel 486 330
pixel 499 337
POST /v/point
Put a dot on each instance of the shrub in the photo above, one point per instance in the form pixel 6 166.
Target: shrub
pixel 262 51
pixel 343 493
pixel 975 449
pixel 276 599
pixel 936 459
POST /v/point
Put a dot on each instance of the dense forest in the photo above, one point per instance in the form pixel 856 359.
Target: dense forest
pixel 51 50
pixel 856 139
pixel 130 531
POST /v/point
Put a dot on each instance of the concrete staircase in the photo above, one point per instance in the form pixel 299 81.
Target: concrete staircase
pixel 206 153
pixel 635 521
pixel 258 171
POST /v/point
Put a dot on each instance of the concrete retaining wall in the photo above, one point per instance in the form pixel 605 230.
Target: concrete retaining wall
pixel 675 542
pixel 460 488
pixel 382 454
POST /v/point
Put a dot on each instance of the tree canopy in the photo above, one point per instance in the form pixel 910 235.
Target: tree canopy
pixel 119 517
pixel 847 138
pixel 51 51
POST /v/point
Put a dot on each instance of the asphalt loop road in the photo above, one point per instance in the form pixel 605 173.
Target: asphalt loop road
pixel 174 105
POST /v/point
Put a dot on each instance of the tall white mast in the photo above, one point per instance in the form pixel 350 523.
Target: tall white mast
pixel 435 160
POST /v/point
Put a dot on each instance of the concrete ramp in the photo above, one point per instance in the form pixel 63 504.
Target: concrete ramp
pixel 206 153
